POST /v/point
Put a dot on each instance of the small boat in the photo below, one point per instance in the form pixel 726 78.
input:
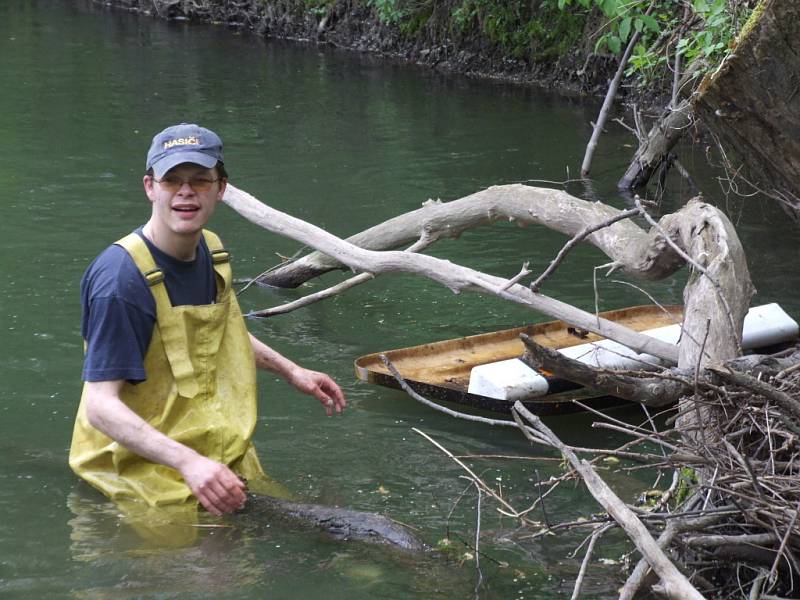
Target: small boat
pixel 442 370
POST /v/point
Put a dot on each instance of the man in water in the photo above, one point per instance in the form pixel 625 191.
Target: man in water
pixel 169 398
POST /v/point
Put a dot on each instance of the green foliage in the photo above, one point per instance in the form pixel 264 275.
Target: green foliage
pixel 688 481
pixel 706 34
pixel 390 12
pixel 417 19
pixel 713 41
pixel 521 30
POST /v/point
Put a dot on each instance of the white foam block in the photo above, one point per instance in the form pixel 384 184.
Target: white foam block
pixel 507 380
pixel 513 380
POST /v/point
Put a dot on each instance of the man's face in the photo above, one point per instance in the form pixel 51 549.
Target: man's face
pixel 185 197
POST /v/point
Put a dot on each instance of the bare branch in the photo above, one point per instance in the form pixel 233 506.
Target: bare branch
pixel 420 245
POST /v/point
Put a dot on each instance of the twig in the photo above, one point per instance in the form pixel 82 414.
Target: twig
pixel 455 504
pixel 697 383
pixel 477 543
pixel 541 498
pixel 579 237
pixel 286 261
pixel 448 411
pixel 785 539
pixel 476 419
pixel 596 535
pixel 478 481
pixel 523 273
pixel 788 371
pixel 352 282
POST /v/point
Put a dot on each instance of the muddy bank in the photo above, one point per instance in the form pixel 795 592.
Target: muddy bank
pixel 559 58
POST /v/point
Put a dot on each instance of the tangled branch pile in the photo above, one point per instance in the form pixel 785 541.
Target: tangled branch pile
pixel 729 519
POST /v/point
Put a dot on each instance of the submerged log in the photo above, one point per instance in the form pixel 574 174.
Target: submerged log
pixel 752 102
pixel 342 523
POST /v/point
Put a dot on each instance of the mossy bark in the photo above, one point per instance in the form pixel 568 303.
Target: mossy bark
pixel 752 102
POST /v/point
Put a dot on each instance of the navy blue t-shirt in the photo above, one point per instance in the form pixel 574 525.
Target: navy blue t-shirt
pixel 119 310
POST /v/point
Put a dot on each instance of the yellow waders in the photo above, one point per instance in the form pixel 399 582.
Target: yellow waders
pixel 200 391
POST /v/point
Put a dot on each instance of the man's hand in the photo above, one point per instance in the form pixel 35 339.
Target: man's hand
pixel 215 485
pixel 319 385
pixel 218 488
pixel 313 383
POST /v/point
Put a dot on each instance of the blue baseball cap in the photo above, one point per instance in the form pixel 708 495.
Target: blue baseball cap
pixel 184 143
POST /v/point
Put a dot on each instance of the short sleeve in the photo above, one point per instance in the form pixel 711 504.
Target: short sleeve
pixel 118 318
pixel 116 344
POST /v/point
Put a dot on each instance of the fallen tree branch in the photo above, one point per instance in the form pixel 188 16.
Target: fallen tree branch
pixel 609 99
pixel 674 527
pixel 455 277
pixel 594 537
pixel 627 244
pixel 575 240
pixel 653 151
pixel 651 391
pixel 334 290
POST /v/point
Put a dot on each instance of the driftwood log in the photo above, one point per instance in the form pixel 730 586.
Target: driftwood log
pixel 751 102
pixel 716 296
pixel 458 278
pixel 625 242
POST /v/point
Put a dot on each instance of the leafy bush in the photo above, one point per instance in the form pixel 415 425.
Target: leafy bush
pixel 704 33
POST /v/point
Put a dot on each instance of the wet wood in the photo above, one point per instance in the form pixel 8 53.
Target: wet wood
pixel 654 151
pixel 341 523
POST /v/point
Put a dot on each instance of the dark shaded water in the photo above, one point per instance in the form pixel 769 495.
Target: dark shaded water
pixel 343 141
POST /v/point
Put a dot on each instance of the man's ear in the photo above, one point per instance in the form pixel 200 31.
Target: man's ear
pixel 223 184
pixel 149 187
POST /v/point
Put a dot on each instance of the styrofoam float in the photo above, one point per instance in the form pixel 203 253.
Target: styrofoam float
pixel 514 380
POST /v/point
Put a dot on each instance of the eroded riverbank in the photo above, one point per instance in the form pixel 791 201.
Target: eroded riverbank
pixel 561 58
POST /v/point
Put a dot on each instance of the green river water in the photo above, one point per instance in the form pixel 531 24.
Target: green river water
pixel 343 141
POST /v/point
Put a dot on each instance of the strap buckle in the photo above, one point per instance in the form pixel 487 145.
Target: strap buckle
pixel 154 277
pixel 220 256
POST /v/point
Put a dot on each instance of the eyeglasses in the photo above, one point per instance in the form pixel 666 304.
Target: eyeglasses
pixel 172 183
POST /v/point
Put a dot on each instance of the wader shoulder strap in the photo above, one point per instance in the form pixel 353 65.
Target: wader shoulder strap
pixel 220 259
pixel 153 275
pixel 172 332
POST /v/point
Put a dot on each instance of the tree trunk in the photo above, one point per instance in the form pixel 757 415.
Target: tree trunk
pixel 653 152
pixel 752 102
